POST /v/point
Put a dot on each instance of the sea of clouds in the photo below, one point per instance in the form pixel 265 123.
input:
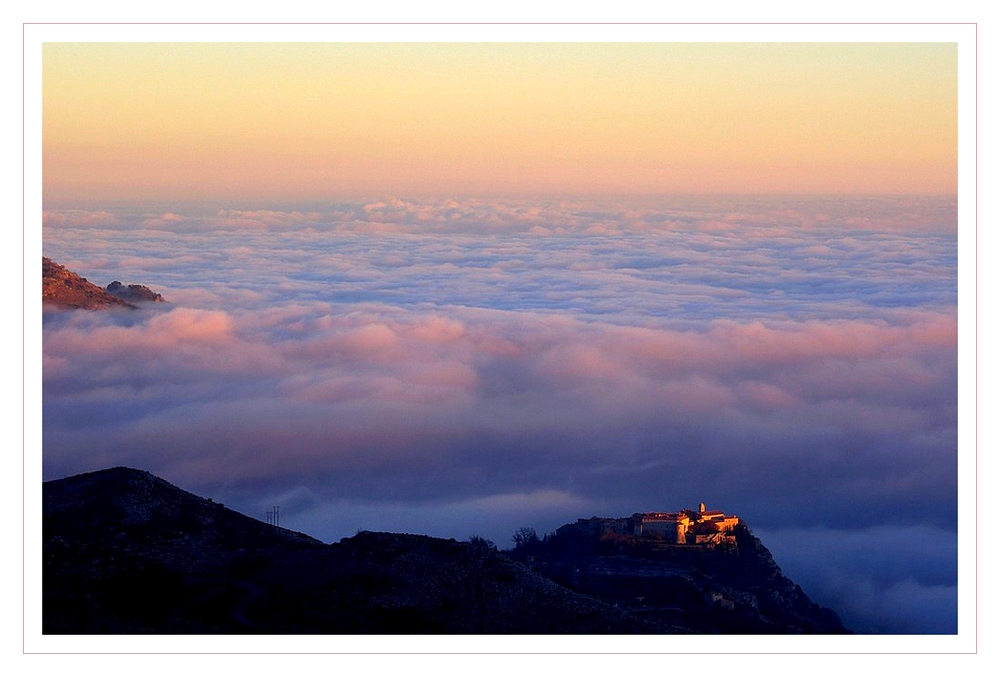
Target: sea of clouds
pixel 460 367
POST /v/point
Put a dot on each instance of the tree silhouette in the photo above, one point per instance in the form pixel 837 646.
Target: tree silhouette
pixel 525 538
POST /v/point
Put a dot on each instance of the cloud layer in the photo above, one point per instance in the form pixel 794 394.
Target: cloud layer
pixel 458 367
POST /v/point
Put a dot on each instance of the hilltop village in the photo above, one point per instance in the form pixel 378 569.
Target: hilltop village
pixel 686 527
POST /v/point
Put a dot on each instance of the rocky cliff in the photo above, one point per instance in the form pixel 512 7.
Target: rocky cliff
pixel 734 587
pixel 134 293
pixel 64 288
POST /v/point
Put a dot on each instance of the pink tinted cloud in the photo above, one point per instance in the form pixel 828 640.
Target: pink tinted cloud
pixel 166 221
pixel 186 325
pixel 730 347
pixel 264 219
pixel 514 372
pixel 181 341
pixel 438 330
pixel 160 334
pixel 756 343
pixel 754 220
pixel 373 341
pixel 765 397
pixel 78 218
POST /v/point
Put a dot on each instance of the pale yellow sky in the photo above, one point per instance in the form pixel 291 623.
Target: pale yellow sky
pixel 305 121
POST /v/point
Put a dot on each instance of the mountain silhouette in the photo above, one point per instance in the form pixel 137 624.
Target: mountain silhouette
pixel 125 552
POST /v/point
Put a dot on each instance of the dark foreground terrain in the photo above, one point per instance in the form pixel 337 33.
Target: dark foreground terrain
pixel 127 552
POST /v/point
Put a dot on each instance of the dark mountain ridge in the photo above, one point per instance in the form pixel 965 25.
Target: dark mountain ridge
pixel 125 552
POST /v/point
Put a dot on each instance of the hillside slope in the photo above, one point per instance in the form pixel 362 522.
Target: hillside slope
pixel 64 288
pixel 127 552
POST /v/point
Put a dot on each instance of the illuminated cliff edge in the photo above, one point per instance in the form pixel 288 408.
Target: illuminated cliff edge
pixel 701 527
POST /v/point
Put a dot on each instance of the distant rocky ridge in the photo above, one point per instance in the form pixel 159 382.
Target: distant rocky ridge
pixel 64 288
pixel 134 293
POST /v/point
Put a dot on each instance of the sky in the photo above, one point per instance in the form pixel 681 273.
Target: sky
pixel 463 288
pixel 303 121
